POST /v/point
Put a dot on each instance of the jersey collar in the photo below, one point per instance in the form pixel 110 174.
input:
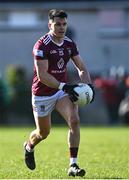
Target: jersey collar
pixel 58 44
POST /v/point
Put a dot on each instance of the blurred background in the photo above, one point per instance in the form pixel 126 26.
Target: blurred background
pixel 101 31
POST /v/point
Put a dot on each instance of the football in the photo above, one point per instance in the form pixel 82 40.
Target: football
pixel 85 94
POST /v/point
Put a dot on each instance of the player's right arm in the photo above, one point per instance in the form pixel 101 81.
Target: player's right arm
pixel 47 79
pixel 43 75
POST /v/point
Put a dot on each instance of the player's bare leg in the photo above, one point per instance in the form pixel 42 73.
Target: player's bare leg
pixel 43 125
pixel 70 114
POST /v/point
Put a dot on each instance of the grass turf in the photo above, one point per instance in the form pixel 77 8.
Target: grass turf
pixel 104 153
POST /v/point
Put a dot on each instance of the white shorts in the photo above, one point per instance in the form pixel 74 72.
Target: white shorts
pixel 44 105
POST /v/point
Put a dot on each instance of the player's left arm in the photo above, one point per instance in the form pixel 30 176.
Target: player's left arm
pixel 83 72
pixel 82 69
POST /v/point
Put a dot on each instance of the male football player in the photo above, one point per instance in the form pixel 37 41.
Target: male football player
pixel 51 91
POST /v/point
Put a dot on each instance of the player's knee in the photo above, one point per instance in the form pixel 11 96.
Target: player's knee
pixel 74 122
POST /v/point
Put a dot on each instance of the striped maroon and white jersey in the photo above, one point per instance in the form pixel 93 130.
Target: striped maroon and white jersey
pixel 58 56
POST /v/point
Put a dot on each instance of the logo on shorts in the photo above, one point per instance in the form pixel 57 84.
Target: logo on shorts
pixel 42 108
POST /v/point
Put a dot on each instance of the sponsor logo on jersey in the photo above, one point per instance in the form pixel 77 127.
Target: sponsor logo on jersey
pixel 58 71
pixel 38 52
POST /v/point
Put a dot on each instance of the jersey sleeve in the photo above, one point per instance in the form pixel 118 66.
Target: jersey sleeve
pixel 39 51
pixel 75 50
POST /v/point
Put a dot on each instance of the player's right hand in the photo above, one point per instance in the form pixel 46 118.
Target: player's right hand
pixel 92 87
pixel 69 88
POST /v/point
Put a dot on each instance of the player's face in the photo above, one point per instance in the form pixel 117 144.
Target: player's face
pixel 58 27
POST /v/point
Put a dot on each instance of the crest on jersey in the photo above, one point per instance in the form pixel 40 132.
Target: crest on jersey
pixel 60 63
pixel 61 52
pixel 69 51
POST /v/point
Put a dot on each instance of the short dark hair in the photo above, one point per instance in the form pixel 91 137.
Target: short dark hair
pixel 57 13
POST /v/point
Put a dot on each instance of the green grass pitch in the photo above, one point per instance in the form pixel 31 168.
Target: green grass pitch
pixel 104 153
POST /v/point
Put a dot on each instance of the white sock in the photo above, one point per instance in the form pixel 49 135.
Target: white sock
pixel 29 149
pixel 73 160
